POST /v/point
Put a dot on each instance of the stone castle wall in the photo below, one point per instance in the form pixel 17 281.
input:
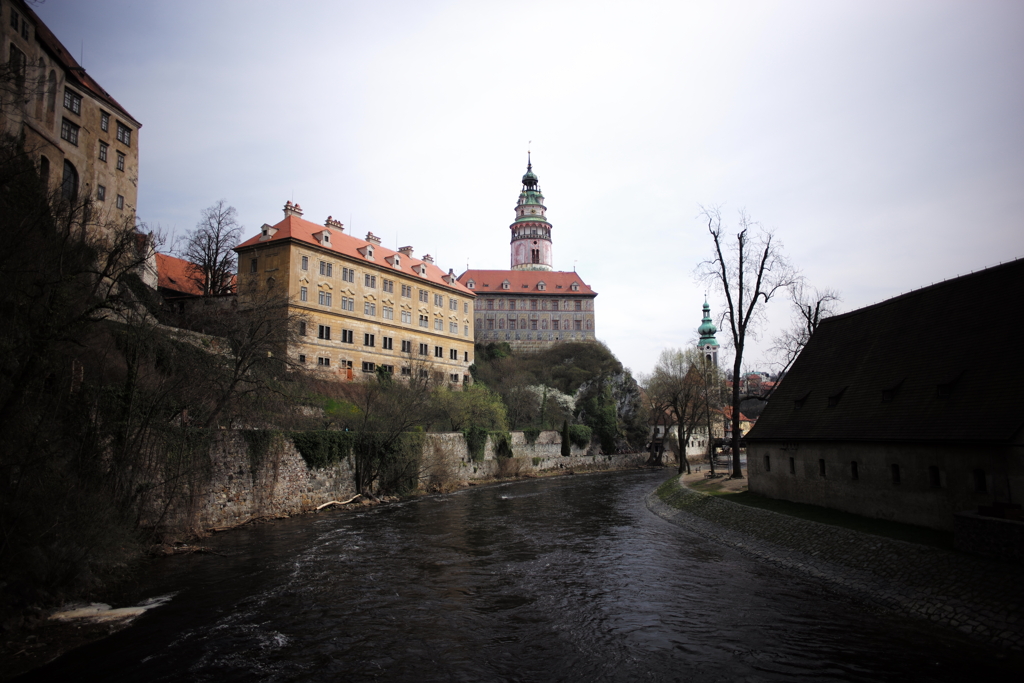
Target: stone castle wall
pixel 232 487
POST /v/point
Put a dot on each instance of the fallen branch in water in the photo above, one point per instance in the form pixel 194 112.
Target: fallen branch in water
pixel 337 502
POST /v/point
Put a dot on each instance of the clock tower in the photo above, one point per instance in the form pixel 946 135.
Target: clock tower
pixel 531 232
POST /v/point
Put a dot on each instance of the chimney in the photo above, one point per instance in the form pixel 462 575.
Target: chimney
pixel 331 223
pixel 292 210
pixel 370 237
pixel 428 258
pixel 406 252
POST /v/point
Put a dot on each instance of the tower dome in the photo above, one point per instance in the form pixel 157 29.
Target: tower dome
pixel 708 345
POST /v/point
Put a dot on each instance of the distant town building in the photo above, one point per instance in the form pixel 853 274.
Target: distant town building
pixel 906 410
pixel 531 306
pixel 82 140
pixel 363 307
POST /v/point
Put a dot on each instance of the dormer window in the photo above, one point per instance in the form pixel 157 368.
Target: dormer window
pixel 541 286
pixel 505 284
pixel 369 251
pixel 421 269
pixel 575 287
pixel 471 284
pixel 398 261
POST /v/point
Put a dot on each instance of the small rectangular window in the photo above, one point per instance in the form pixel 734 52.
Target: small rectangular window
pixel 821 467
pixel 325 298
pixel 438 352
pixel 323 332
pixel 253 265
pixel 104 121
pixel 406 372
pixel 326 269
pixel 326 362
pixel 72 101
pixel 370 281
pixel 439 300
pixel 387 343
pixel 302 328
pixel 101 192
pixel 767 463
pixel 303 294
pixel 124 134
pixel 120 201
pixel 368 366
pixel 369 308
pixel 387 285
pixel 453 328
pixel 69 132
pixel 424 296
pixel 346 337
pixel 387 312
pixel 406 346
pixel 438 324
pixel 424 321
pixel 390 369
pixel 305 263
pixel 368 339
pixel 453 354
pixel 407 291
pixel 120 161
pixel 454 378
pixel 406 317
pixel 302 358
pixel 103 152
pixel 348 304
pixel 792 466
pixel 423 349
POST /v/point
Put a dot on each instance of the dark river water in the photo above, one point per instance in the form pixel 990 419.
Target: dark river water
pixel 567 579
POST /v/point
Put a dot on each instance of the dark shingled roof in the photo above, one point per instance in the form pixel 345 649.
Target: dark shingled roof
pixel 943 363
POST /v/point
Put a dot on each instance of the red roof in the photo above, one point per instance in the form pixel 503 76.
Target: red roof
pixel 294 227
pixel 555 282
pixel 727 411
pixel 173 273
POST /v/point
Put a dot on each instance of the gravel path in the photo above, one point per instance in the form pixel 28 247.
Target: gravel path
pixel 981 598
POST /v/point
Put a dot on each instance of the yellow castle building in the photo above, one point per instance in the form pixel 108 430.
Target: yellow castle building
pixel 362 307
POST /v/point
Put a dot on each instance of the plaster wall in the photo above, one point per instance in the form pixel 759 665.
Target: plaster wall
pixel 914 499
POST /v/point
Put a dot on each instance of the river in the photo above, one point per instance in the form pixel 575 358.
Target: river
pixel 558 579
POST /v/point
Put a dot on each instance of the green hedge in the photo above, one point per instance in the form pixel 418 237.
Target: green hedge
pixel 531 434
pixel 322 449
pixel 580 435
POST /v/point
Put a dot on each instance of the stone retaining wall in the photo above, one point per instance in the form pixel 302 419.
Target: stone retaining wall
pixel 232 488
pixel 981 598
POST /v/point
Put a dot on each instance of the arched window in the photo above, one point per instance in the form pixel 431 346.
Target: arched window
pixel 51 97
pixel 69 184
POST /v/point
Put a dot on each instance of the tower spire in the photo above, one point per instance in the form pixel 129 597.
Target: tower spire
pixel 531 232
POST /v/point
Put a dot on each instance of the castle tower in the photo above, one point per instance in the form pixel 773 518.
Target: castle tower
pixel 708 345
pixel 531 232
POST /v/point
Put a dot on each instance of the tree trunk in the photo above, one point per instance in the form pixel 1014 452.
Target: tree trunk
pixel 737 470
pixel 683 462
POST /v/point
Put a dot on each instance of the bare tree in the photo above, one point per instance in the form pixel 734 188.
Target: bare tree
pixel 210 249
pixel 748 274
pixel 683 382
pixel 810 307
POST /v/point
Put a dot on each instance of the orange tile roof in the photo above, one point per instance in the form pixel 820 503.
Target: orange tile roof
pixel 296 228
pixel 555 282
pixel 173 273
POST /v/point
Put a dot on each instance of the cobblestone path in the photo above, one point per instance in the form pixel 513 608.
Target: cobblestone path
pixel 981 598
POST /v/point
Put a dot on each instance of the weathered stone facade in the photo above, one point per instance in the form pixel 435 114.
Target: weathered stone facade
pixel 236 486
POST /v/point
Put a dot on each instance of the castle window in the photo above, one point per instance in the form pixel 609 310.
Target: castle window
pixel 69 132
pixel 323 332
pixel 120 161
pixel 369 308
pixel 541 286
pixel 407 291
pixel 101 192
pixel 471 285
pixel 455 378
pixel 103 152
pixel 325 362
pixel 368 366
pixel 387 286
pixel 325 298
pixel 439 300
pixel 72 101
pixel 453 354
pixel 370 281
pixel 104 121
pixel 505 284
pixel 69 184
pixel 124 134
pixel 424 296
pixel 535 255
pixel 368 339
pixel 346 337
pixel 348 274
pixel 253 265
pixel 348 304
pixel 575 287
pixel 326 269
pixel 453 304
pixel 424 321
pixel 406 346
pixel 302 358
pixel 390 369
pixel 406 317
pixel 302 329
pixel 423 349
pixel 490 304
pixel 406 372
pixel 438 352
pixel 387 312
pixel 438 324
pixel 305 263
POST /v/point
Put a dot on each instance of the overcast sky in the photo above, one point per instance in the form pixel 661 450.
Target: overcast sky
pixel 882 141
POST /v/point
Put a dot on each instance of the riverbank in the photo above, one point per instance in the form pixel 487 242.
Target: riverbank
pixel 43 635
pixel 983 599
